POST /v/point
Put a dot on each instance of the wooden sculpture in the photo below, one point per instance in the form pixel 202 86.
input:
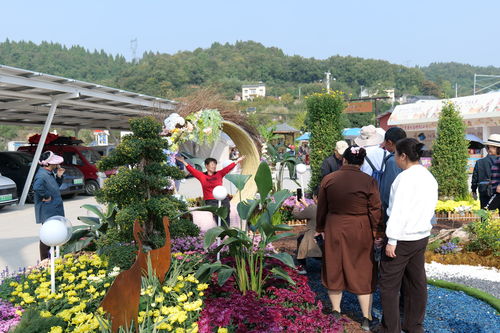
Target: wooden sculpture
pixel 122 300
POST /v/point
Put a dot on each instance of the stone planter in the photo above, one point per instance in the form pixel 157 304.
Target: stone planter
pixel 204 220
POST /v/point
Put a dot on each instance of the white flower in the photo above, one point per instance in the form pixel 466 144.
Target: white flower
pixel 207 130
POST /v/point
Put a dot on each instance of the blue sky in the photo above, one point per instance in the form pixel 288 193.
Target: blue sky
pixel 407 32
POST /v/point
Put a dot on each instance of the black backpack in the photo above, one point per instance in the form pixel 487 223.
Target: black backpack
pixel 377 174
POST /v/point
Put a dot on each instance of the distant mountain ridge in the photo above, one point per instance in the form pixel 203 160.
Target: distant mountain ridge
pixel 228 66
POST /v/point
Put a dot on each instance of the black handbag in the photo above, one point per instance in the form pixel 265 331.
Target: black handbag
pixel 321 242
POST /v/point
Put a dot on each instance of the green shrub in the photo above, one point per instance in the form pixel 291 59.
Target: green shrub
pixel 449 157
pixel 485 234
pixel 432 246
pixel 32 322
pixel 138 189
pixel 183 228
pixel 119 255
pixel 325 122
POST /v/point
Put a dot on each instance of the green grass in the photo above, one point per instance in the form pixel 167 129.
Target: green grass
pixel 479 294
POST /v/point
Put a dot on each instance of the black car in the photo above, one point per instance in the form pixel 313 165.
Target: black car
pixel 16 165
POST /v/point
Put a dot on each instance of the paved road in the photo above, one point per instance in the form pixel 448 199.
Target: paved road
pixel 19 232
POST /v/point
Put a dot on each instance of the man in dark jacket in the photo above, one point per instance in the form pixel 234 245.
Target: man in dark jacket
pixel 334 162
pixel 391 169
pixel 481 176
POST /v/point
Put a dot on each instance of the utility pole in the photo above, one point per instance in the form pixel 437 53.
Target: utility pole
pixel 328 81
pixel 133 48
pixel 456 90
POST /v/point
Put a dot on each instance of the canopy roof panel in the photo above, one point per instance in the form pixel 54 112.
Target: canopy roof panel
pixel 25 99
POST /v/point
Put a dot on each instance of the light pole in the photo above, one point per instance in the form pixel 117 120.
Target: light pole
pixel 219 193
pixel 54 232
pixel 301 169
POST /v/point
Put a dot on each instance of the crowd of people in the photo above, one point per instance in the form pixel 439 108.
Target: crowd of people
pixel 374 212
pixel 369 220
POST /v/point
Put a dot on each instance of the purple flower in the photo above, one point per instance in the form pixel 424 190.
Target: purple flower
pixel 8 316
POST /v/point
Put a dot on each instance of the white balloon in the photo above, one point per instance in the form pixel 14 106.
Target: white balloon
pixel 219 192
pixel 55 231
pixel 301 168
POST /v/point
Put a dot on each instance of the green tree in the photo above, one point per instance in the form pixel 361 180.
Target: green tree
pixel 325 123
pixel 138 189
pixel 449 158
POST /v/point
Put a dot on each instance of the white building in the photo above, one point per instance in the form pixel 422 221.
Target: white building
pixel 250 91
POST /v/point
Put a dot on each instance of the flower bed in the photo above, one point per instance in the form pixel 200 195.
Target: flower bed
pixel 9 316
pixel 457 210
pixel 82 282
pixel 282 308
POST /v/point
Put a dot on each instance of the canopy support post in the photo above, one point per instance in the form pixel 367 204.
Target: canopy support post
pixel 54 103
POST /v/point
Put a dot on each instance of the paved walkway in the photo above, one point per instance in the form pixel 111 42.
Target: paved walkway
pixel 19 232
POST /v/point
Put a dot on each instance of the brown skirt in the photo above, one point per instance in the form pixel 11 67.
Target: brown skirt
pixel 348 257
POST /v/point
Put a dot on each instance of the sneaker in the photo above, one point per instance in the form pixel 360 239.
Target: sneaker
pixel 365 324
pixel 303 272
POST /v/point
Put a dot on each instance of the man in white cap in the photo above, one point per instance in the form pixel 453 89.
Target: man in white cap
pixel 481 176
pixel 370 139
pixel 334 162
pixel 48 201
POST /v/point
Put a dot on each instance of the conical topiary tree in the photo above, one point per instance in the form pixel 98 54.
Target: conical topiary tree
pixel 324 119
pixel 449 158
pixel 138 189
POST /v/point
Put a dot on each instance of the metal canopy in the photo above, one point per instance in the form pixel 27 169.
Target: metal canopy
pixel 26 98
pixel 31 98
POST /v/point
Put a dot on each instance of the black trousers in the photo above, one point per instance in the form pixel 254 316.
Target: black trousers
pixel 407 269
pixel 484 198
pixel 225 203
pixel 44 251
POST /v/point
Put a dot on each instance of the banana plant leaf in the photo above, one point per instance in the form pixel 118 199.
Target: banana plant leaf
pixel 238 180
pixel 264 180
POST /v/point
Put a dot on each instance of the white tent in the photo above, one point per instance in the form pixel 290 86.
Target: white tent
pixel 481 114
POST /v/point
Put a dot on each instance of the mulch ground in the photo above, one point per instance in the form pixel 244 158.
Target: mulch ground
pixel 350 307
pixel 289 245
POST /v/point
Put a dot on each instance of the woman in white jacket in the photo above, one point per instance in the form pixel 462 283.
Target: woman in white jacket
pixel 412 202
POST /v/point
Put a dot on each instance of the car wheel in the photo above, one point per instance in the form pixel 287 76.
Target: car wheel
pixel 91 186
pixel 31 195
pixel 1 207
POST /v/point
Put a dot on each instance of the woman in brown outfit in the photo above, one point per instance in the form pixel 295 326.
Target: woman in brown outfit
pixel 349 214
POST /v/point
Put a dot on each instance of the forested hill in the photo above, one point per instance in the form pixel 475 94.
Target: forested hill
pixel 228 66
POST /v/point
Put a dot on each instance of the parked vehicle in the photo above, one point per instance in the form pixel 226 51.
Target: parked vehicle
pixel 8 192
pixel 16 165
pixel 81 157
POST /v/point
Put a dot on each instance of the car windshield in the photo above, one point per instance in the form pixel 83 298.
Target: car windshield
pixel 91 155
